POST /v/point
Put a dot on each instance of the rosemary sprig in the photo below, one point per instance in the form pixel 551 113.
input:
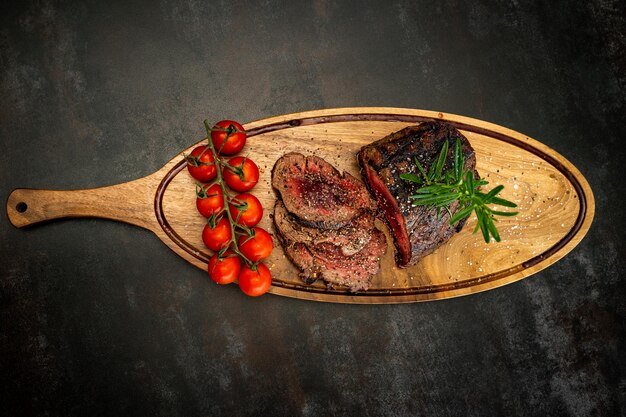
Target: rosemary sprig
pixel 442 188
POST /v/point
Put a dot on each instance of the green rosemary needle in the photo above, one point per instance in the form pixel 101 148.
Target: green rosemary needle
pixel 441 188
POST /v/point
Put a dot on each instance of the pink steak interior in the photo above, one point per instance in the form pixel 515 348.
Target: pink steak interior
pixel 392 214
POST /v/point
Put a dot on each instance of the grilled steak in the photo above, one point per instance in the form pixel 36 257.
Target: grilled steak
pixel 325 222
pixel 318 194
pixel 416 230
pixel 328 262
pixel 350 239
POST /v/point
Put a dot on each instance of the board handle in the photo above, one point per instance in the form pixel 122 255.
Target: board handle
pixel 131 202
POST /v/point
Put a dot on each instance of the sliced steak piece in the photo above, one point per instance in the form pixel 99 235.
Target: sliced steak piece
pixel 350 239
pixel 326 261
pixel 416 230
pixel 317 193
pixel 325 222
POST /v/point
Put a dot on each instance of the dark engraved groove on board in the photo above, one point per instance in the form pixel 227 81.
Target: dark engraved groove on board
pixel 425 289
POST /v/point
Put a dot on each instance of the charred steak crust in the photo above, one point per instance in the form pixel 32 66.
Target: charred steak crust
pixel 317 193
pixel 416 230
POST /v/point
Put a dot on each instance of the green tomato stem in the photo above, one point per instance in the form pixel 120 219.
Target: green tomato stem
pixel 227 198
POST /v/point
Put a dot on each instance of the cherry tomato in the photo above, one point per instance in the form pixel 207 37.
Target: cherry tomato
pixel 243 175
pixel 246 209
pixel 255 283
pixel 258 246
pixel 210 200
pixel 230 139
pixel 200 164
pixel 226 269
pixel 216 238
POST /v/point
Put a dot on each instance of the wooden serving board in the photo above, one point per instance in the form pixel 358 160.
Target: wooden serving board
pixel 555 202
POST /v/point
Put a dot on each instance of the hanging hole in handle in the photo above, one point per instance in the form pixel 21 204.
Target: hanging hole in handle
pixel 21 207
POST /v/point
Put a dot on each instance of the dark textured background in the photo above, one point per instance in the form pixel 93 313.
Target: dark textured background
pixel 101 318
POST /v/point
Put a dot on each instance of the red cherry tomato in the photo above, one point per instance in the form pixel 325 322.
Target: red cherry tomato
pixel 243 175
pixel 256 247
pixel 229 137
pixel 226 269
pixel 218 237
pixel 246 209
pixel 255 283
pixel 200 164
pixel 210 200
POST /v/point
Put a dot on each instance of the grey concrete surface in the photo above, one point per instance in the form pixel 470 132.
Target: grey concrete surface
pixel 100 318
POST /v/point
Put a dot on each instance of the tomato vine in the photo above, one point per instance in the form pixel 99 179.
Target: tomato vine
pixel 245 241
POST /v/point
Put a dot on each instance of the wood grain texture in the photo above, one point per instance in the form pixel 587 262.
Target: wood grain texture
pixel 555 202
